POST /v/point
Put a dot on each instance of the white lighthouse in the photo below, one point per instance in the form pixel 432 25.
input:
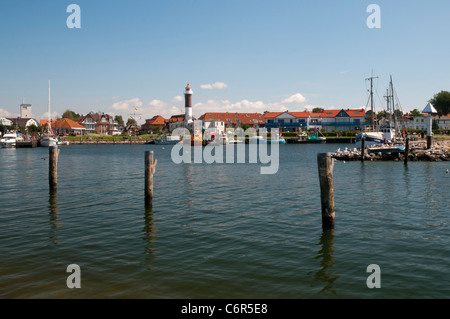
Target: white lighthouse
pixel 188 106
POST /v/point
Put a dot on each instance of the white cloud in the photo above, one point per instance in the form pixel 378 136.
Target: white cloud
pixel 167 109
pixel 5 113
pixel 296 98
pixel 217 85
pixel 53 116
pixel 127 105
pixel 157 103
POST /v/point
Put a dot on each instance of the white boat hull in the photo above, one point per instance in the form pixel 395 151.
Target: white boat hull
pixel 48 142
pixel 7 144
pixel 372 138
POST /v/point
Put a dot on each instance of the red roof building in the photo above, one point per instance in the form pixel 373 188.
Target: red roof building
pixel 235 120
pixel 99 123
pixel 156 121
pixel 68 127
pixel 341 120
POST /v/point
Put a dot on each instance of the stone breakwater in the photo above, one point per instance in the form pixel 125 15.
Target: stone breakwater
pixel 440 151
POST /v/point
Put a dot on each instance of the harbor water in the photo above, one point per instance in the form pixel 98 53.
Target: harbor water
pixel 220 230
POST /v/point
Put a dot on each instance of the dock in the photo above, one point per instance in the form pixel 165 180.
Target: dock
pixel 27 144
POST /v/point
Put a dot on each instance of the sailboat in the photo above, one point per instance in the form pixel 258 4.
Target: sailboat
pixel 375 136
pixel 48 138
pixel 371 134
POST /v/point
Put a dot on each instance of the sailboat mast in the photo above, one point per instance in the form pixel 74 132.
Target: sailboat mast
pixel 371 100
pixel 393 105
pixel 371 104
pixel 49 118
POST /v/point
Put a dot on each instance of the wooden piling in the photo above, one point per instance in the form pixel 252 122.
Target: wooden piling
pixel 363 148
pixel 325 165
pixel 150 166
pixel 406 150
pixel 53 167
pixel 429 141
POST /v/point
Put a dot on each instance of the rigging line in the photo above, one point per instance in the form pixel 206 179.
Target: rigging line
pixel 400 109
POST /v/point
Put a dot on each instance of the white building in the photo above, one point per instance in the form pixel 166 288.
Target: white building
pixel 329 120
pixel 214 126
pixel 5 122
pixel 25 111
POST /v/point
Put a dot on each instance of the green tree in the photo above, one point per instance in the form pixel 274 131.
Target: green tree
pixel 441 102
pixel 381 114
pixel 317 110
pixel 33 129
pixel 398 113
pixel 435 125
pixel 416 112
pixel 131 121
pixel 68 114
pixel 119 119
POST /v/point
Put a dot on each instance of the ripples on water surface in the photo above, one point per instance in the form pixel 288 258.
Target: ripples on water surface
pixel 219 230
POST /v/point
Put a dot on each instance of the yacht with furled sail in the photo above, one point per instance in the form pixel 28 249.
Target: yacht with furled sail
pixel 48 138
pixel 371 134
pixel 386 130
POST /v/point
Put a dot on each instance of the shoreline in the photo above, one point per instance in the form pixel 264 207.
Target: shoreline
pixel 439 152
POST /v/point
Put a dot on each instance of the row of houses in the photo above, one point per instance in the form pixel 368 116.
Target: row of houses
pixel 328 120
pixel 98 123
pixel 91 123
pixel 420 122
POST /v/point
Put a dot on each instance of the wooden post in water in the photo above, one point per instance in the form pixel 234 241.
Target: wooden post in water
pixel 406 150
pixel 149 171
pixel 363 148
pixel 53 167
pixel 325 164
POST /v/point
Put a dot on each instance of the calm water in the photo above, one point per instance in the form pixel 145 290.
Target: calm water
pixel 220 230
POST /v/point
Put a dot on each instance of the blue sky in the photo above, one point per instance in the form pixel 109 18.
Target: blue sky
pixel 265 55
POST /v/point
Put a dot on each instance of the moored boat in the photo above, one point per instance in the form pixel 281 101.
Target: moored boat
pixel 167 140
pixel 48 138
pixel 9 140
pixel 311 138
pixel 259 139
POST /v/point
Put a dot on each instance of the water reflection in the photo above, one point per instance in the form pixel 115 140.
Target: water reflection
pixel 53 218
pixel 326 254
pixel 189 184
pixel 407 181
pixel 149 231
